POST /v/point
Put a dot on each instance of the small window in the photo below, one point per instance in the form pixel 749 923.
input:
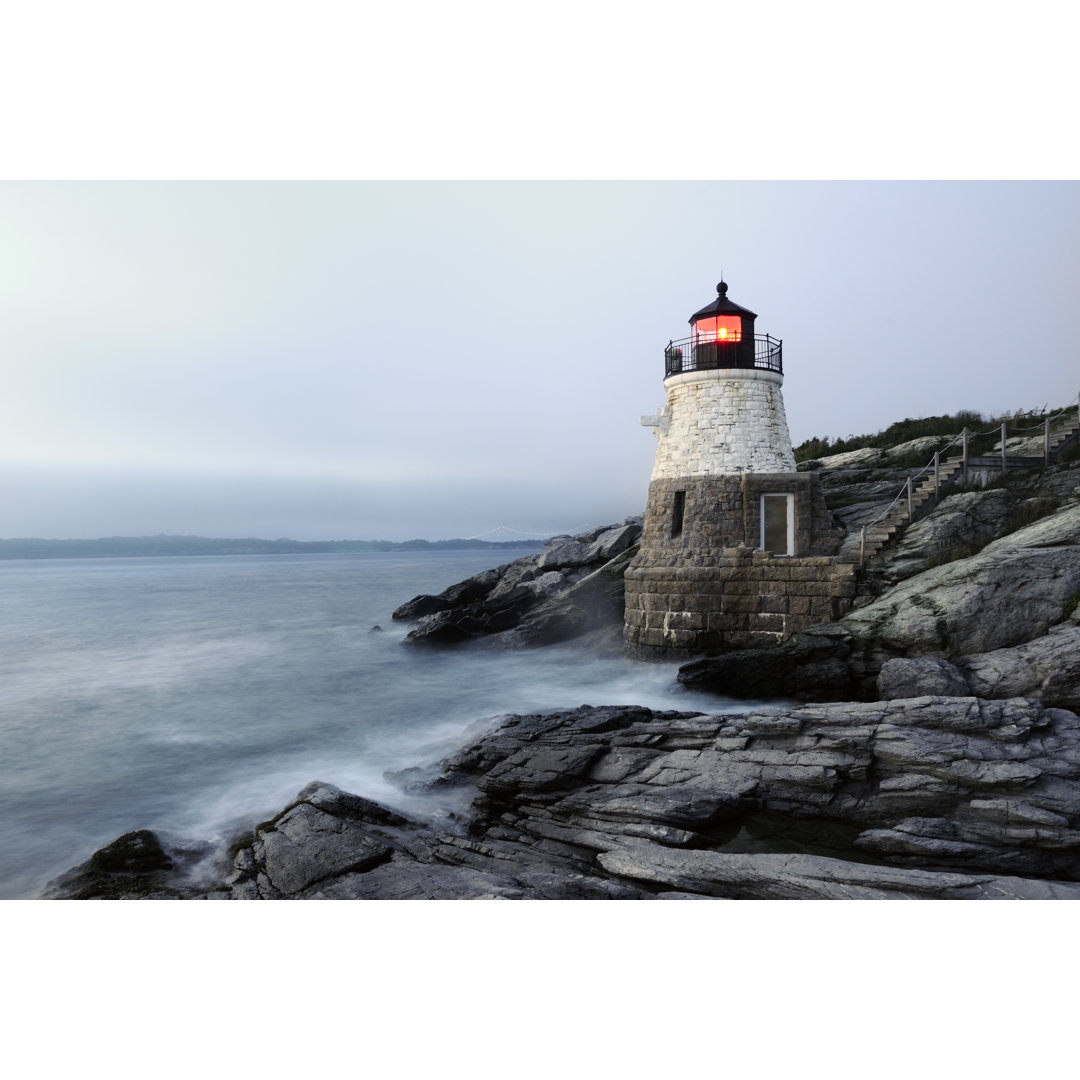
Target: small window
pixel 677 508
pixel 778 524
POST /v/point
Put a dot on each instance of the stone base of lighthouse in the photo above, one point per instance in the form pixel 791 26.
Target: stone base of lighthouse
pixel 701 582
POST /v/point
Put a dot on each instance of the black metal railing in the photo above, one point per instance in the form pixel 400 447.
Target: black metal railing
pixel 703 352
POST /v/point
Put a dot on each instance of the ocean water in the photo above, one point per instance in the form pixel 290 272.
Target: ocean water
pixel 196 696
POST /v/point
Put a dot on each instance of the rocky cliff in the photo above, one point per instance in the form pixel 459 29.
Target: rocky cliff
pixel 948 798
pixel 930 750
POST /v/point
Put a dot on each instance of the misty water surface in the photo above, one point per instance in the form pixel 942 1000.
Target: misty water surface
pixel 197 695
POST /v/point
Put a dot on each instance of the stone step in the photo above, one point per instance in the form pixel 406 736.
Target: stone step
pixel 1064 435
pixel 928 487
pixel 947 470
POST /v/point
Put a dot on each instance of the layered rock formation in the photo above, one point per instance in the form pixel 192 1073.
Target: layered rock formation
pixel 573 588
pixel 926 797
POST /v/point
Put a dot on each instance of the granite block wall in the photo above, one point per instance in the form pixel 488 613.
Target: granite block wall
pixel 743 599
pixel 698 583
pixel 725 511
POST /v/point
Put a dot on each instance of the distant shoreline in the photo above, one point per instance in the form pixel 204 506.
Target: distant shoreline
pixel 120 547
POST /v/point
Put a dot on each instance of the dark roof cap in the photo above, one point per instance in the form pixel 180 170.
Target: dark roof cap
pixel 721 306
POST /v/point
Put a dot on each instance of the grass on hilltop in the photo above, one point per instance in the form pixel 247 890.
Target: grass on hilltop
pixel 905 430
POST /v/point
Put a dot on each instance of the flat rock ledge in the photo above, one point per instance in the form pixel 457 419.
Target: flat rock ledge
pixel 928 797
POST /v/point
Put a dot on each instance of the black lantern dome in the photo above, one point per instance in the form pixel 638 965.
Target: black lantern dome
pixel 722 336
pixel 723 307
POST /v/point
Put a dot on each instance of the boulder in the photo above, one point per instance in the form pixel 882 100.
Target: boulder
pixel 537 596
pixel 959 526
pixel 595 604
pixel 135 866
pixel 133 853
pixel 489 616
pixel 566 553
pixel 464 592
pixel 324 835
pixel 1047 668
pixel 305 846
pixel 517 573
pixel 616 540
pixel 419 607
pixel 548 584
pixel 918 676
pixel 612 542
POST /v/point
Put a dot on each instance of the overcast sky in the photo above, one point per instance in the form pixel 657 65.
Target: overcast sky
pixel 440 359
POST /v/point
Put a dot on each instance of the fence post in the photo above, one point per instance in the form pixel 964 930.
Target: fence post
pixel 862 547
pixel 1046 444
pixel 965 457
pixel 910 503
pixel 1004 461
pixel 937 475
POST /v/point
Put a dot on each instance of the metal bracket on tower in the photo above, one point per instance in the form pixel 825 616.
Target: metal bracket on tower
pixel 661 419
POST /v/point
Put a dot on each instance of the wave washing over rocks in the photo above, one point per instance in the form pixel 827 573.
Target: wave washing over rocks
pixel 924 797
pixel 930 751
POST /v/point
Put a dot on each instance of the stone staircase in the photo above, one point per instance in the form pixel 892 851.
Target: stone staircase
pixel 882 532
pixel 1067 434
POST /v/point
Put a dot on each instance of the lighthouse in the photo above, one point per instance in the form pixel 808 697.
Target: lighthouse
pixel 738 548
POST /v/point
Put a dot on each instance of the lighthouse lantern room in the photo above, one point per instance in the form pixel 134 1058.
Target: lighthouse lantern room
pixel 722 336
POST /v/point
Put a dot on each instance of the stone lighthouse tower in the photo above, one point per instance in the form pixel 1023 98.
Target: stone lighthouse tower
pixel 738 547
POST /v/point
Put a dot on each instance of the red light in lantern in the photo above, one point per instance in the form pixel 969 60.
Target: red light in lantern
pixel 719 328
